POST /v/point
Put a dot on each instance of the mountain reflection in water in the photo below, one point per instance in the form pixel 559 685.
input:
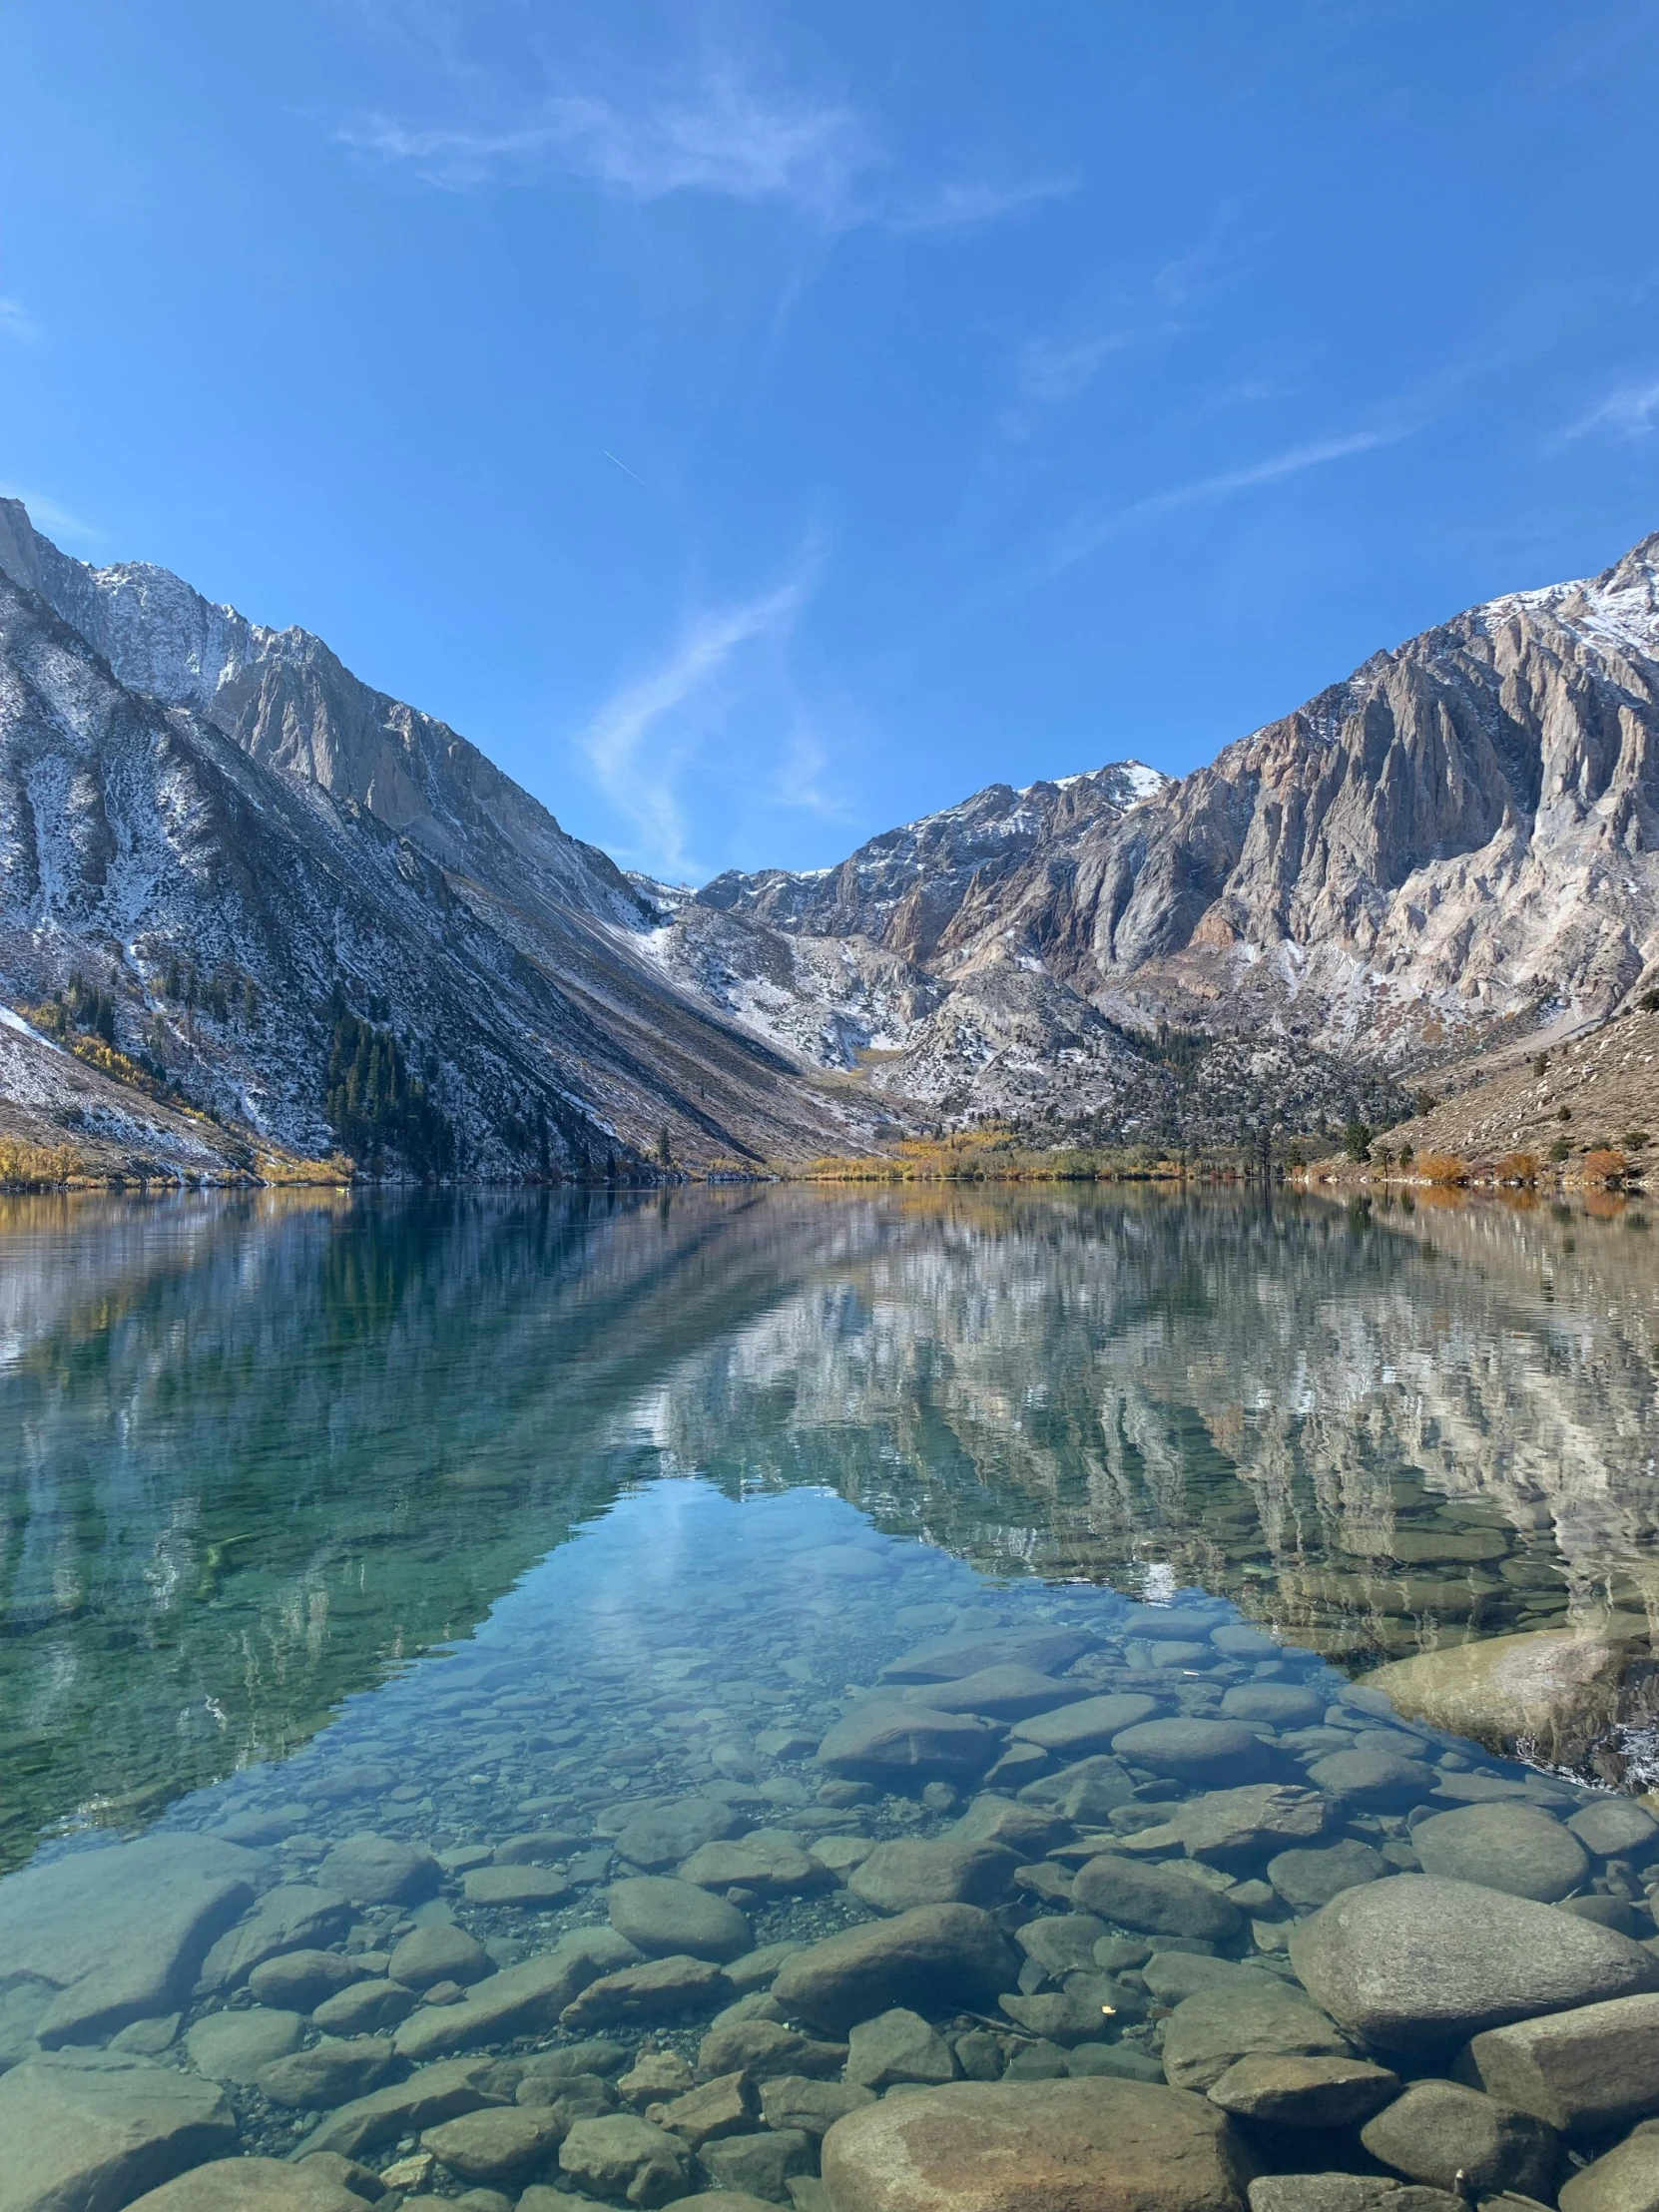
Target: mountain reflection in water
pixel 257 1454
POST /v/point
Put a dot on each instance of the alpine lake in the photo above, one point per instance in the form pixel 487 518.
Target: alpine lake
pixel 1110 1701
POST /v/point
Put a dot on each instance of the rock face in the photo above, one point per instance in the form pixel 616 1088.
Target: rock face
pixel 120 1933
pixel 1097 2145
pixel 1415 1962
pixel 212 795
pixel 1460 828
pixel 1457 830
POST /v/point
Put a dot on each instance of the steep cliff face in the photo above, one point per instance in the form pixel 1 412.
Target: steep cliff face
pixel 1456 842
pixel 1462 833
pixel 221 830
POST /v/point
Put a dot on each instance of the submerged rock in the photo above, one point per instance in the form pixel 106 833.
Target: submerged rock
pixel 252 2185
pixel 1584 2071
pixel 1213 2028
pixel 1418 1962
pixel 935 1958
pixel 888 1737
pixel 659 1989
pixel 118 1934
pixel 300 1981
pixel 509 2144
pixel 760 2165
pixel 1555 1688
pixel 379 1870
pixel 949 1658
pixel 234 2047
pixel 1303 2093
pixel 1230 1825
pixel 1073 1731
pixel 938 1870
pixel 662 1835
pixel 1504 1845
pixel 1102 2145
pixel 295 1914
pixel 1088 1790
pixel 88 2129
pixel 662 1917
pixel 327 2073
pixel 1307 1879
pixel 1009 1692
pixel 1374 1776
pixel 898 2046
pixel 1624 2179
pixel 1160 1901
pixel 1196 1750
pixel 519 2000
pixel 1446 2135
pixel 430 2095
pixel 625 2158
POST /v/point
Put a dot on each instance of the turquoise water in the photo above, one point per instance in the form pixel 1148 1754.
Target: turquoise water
pixel 495 1529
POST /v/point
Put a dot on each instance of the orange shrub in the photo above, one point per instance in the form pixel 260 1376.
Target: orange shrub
pixel 1516 1167
pixel 1441 1167
pixel 1604 1167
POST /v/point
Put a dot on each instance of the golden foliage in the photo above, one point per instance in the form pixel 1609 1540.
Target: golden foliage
pixel 1604 1167
pixel 36 1167
pixel 281 1170
pixel 1516 1167
pixel 1441 1167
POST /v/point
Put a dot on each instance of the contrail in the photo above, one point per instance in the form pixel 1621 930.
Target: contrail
pixel 626 471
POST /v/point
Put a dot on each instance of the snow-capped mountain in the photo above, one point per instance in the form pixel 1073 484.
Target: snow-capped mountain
pixel 259 862
pixel 254 861
pixel 1455 845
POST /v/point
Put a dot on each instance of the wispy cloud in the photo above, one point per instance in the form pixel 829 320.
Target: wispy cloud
pixel 1628 411
pixel 17 322
pixel 1050 373
pixel 52 517
pixel 958 207
pixel 719 136
pixel 643 740
pixel 721 129
pixel 1086 533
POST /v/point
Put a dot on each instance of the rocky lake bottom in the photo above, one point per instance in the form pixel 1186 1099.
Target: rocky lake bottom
pixel 761 1846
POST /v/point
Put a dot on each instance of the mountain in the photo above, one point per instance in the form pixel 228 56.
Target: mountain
pixel 233 872
pixel 311 909
pixel 1454 847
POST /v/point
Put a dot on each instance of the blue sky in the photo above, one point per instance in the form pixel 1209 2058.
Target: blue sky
pixel 755 426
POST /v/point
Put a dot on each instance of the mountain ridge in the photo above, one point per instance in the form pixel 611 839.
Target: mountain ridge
pixel 224 817
pixel 1451 846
